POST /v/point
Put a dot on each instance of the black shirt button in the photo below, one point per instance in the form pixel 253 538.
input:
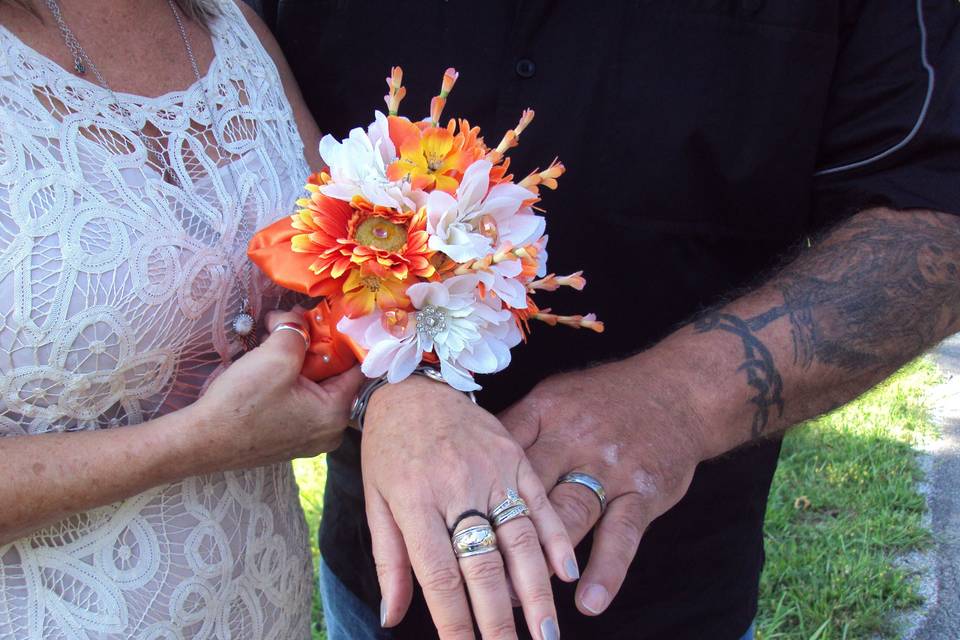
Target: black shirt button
pixel 526 68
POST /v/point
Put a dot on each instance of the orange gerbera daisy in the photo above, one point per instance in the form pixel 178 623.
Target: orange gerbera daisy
pixel 347 235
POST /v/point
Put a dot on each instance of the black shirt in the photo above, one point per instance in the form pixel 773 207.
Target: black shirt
pixel 703 139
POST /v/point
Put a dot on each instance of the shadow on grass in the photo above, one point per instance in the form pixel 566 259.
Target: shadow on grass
pixel 843 506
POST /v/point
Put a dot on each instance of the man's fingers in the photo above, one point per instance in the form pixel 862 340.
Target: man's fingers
pixel 522 420
pixel 437 571
pixel 553 535
pixel 548 458
pixel 615 544
pixel 578 508
pixel 390 556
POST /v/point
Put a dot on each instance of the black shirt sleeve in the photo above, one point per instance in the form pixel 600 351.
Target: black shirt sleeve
pixel 891 134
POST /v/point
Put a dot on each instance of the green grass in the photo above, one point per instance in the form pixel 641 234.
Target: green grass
pixel 843 505
pixel 311 476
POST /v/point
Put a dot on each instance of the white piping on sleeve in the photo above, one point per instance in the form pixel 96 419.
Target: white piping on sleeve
pixel 931 78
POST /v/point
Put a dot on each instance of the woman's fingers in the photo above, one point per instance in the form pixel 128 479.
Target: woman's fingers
pixel 292 343
pixel 520 546
pixel 553 534
pixel 487 583
pixel 431 556
pixel 390 556
pixel 615 544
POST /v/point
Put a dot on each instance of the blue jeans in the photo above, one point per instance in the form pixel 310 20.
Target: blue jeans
pixel 348 618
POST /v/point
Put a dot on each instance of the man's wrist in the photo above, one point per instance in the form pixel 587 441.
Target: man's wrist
pixel 687 368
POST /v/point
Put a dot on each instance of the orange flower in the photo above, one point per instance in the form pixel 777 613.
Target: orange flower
pixel 348 235
pixel 432 157
pixel 373 286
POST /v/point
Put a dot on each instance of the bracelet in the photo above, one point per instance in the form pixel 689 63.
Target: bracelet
pixel 358 410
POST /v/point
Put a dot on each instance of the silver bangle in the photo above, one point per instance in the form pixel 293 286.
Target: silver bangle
pixel 358 410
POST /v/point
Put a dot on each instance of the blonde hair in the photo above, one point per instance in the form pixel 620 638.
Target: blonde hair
pixel 200 10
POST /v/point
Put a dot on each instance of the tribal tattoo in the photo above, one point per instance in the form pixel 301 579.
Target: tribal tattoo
pixel 879 290
pixel 758 364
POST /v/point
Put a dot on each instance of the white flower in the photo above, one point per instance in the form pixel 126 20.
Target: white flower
pixel 467 334
pixel 456 224
pixel 358 166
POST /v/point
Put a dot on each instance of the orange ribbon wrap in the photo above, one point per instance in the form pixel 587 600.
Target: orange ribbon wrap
pixel 330 352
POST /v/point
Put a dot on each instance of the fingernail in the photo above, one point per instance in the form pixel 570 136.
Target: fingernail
pixel 549 630
pixel 595 598
pixel 571 567
pixel 383 613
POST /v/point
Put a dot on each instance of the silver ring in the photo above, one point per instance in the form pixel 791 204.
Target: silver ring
pixel 575 477
pixel 511 513
pixel 474 541
pixel 294 326
pixel 512 500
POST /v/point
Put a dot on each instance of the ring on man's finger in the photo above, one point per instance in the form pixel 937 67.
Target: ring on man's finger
pixel 474 541
pixel 588 481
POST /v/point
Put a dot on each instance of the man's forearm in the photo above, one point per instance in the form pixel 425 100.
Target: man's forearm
pixel 869 296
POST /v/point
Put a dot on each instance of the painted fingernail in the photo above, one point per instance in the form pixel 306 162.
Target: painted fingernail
pixel 595 598
pixel 549 629
pixel 383 613
pixel 571 567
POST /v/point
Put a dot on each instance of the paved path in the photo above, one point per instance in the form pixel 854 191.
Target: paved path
pixel 942 622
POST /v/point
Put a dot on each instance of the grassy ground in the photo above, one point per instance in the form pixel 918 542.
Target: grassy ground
pixel 842 507
pixel 844 504
pixel 311 476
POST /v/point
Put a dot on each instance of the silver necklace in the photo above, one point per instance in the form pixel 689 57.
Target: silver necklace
pixel 244 324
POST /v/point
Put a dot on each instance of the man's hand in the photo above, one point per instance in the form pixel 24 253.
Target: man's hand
pixel 428 455
pixel 868 296
pixel 629 428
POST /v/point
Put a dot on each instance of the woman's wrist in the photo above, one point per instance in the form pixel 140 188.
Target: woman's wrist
pixel 191 438
pixel 411 395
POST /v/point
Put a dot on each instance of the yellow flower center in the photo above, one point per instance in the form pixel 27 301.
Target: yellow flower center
pixel 372 283
pixel 380 233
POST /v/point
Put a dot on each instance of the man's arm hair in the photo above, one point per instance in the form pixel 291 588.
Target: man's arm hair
pixel 873 293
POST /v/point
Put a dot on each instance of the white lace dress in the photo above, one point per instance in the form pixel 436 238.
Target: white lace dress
pixel 117 288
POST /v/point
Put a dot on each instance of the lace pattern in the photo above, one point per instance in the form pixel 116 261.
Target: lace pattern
pixel 117 289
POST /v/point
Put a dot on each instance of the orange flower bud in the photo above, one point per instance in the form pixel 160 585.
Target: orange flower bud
pixel 449 79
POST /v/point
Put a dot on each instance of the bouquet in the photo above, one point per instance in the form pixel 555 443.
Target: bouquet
pixel 422 245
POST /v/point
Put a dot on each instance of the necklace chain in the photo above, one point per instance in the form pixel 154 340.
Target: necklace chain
pixel 244 323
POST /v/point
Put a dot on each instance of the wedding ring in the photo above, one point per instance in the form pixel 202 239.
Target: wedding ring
pixel 513 506
pixel 294 326
pixel 516 511
pixel 474 541
pixel 588 481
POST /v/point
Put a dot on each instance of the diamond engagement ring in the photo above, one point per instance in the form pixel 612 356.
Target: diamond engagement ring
pixel 474 541
pixel 513 506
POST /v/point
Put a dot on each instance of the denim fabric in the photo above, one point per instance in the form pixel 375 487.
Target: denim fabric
pixel 348 618
pixel 345 615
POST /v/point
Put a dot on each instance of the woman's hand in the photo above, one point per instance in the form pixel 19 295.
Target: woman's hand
pixel 261 410
pixel 429 454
